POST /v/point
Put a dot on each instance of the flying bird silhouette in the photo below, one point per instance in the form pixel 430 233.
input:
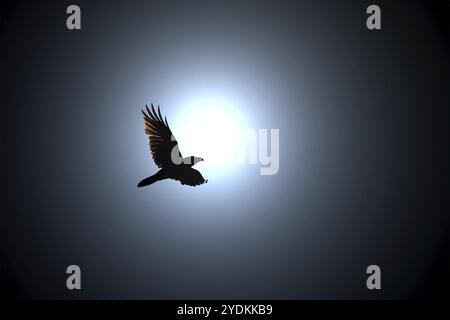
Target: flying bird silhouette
pixel 166 154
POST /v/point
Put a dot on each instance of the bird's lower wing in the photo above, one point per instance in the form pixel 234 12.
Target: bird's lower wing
pixel 192 177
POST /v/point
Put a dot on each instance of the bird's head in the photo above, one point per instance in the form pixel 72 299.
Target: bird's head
pixel 195 160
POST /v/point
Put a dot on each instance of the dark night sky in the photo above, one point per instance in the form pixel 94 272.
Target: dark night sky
pixel 364 172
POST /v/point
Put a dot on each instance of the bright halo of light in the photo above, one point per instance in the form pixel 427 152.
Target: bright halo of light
pixel 211 129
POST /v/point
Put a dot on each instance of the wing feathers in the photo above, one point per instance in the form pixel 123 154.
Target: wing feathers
pixel 160 136
pixel 160 117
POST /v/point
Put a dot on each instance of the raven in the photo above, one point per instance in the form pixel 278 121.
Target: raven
pixel 165 153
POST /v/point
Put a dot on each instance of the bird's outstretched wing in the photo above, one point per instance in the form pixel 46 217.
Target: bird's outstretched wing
pixel 191 177
pixel 162 142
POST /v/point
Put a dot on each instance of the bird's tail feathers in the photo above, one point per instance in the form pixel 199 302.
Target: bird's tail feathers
pixel 149 180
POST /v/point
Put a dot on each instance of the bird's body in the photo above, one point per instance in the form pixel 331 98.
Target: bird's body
pixel 166 154
pixel 183 173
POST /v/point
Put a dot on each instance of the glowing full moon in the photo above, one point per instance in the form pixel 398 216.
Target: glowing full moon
pixel 211 129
